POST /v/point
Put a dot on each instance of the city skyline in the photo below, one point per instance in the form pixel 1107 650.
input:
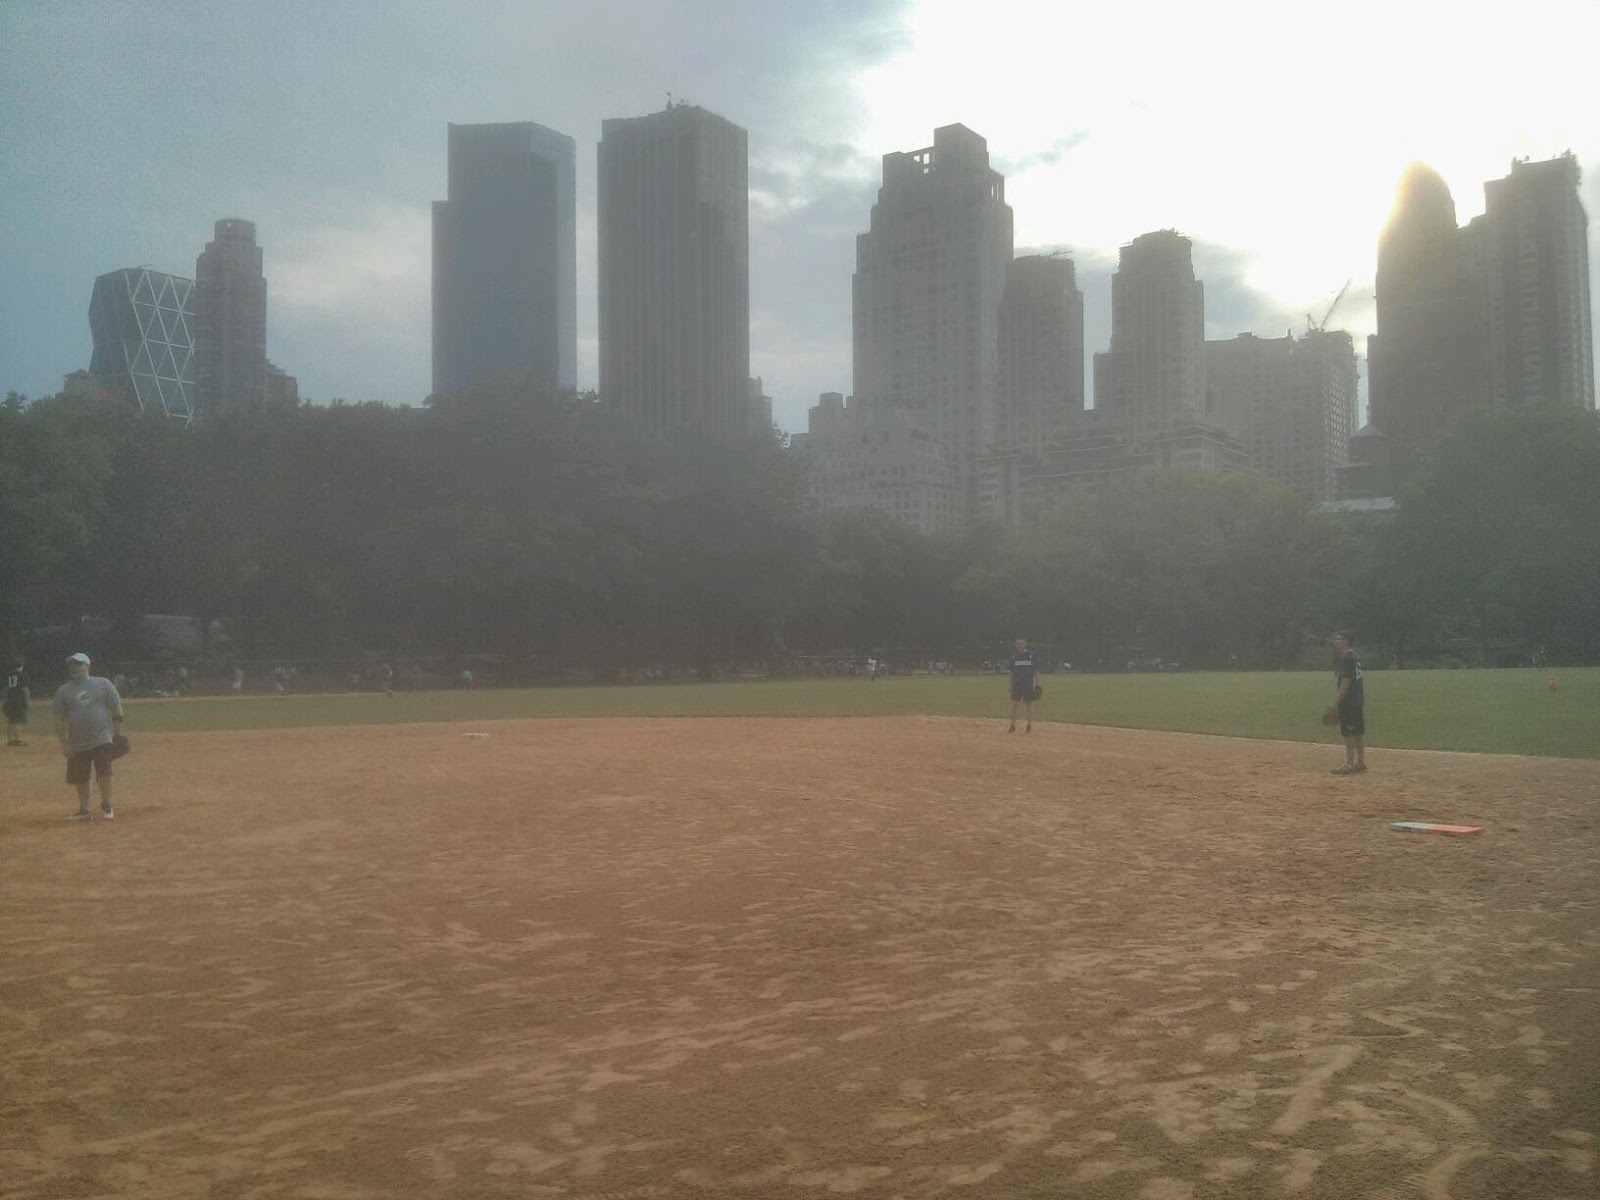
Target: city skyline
pixel 1282 177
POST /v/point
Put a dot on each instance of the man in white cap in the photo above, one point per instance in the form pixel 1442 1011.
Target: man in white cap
pixel 88 715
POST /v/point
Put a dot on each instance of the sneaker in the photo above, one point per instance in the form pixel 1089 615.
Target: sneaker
pixel 1029 729
pixel 82 816
pixel 106 814
pixel 1347 769
pixel 1360 767
pixel 1013 729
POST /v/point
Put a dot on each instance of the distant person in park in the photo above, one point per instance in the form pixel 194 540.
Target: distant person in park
pixel 16 703
pixel 386 677
pixel 1350 701
pixel 1024 677
pixel 466 677
pixel 88 715
pixel 238 681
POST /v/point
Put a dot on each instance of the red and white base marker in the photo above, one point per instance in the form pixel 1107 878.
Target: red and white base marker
pixel 1430 827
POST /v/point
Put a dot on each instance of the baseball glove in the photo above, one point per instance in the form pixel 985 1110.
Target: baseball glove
pixel 120 746
pixel 1038 691
pixel 1330 715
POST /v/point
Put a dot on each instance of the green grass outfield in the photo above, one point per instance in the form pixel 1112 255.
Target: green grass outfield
pixel 1506 712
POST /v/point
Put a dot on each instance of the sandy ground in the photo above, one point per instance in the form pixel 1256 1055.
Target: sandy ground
pixel 788 958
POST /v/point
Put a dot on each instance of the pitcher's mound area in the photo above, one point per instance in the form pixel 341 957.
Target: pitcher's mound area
pixel 796 958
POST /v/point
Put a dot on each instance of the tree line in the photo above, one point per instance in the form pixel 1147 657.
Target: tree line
pixel 546 531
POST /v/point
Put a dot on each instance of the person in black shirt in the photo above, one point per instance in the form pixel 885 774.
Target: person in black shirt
pixel 16 704
pixel 1350 700
pixel 1024 677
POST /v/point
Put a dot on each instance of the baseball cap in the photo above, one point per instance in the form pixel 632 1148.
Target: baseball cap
pixel 80 656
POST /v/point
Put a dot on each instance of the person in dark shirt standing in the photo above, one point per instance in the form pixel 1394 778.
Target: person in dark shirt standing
pixel 1350 700
pixel 1024 677
pixel 16 703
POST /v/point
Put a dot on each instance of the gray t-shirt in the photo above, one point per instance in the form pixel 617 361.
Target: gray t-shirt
pixel 88 705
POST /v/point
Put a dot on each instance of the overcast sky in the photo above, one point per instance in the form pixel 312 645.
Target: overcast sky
pixel 1272 134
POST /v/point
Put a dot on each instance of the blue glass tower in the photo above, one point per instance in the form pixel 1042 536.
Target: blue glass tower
pixel 141 322
pixel 505 292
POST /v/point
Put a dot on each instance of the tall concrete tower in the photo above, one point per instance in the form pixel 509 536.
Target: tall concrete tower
pixel 1292 403
pixel 230 320
pixel 1429 360
pixel 1041 353
pixel 1153 377
pixel 1496 313
pixel 930 275
pixel 1541 341
pixel 675 271
pixel 505 292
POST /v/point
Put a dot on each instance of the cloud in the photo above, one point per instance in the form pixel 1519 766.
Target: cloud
pixel 333 142
pixel 1273 135
pixel 357 286
pixel 358 264
pixel 1277 131
pixel 1048 157
pixel 808 202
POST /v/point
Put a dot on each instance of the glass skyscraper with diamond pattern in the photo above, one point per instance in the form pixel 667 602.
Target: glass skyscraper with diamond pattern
pixel 142 324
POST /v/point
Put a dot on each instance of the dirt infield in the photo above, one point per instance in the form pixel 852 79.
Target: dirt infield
pixel 787 958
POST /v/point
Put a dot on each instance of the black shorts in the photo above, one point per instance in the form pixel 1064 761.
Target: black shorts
pixel 78 764
pixel 1022 691
pixel 16 712
pixel 1352 720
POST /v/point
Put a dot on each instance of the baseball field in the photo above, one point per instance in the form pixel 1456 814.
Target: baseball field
pixel 591 943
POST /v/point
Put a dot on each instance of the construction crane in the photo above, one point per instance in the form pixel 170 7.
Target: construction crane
pixel 1319 326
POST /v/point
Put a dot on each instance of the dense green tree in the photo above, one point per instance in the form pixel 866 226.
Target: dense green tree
pixel 55 465
pixel 1497 544
pixel 1176 566
pixel 545 529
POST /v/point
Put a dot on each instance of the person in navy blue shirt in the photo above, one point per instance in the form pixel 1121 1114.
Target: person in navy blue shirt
pixel 1024 677
pixel 1351 701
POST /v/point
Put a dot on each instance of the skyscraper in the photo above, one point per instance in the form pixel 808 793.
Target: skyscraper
pixel 930 274
pixel 1291 402
pixel 1429 359
pixel 1537 274
pixel 505 291
pixel 1495 313
pixel 1153 377
pixel 1041 353
pixel 230 311
pixel 674 260
pixel 141 324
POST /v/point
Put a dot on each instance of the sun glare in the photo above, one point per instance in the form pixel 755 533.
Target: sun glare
pixel 1280 134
